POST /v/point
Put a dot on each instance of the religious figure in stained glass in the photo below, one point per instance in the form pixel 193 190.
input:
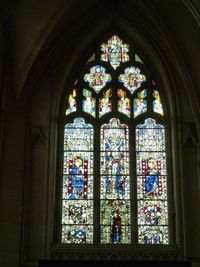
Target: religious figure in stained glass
pixel 132 78
pixel 116 228
pixel 71 104
pixel 97 78
pixel 115 180
pixel 151 173
pixel 89 104
pixel 123 103
pixel 150 154
pixel 157 105
pixel 78 178
pixel 153 235
pixel 105 103
pixel 115 51
pixel 152 212
pixel 77 204
pixel 152 187
pixel 140 104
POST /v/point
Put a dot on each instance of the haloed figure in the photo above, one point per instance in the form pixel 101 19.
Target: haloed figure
pixel 116 228
pixel 152 173
pixel 77 179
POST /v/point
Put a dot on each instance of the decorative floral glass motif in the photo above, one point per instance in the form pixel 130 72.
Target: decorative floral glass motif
pixel 123 103
pixel 105 103
pixel 115 51
pixel 97 78
pixel 151 183
pixel 89 104
pixel 140 104
pixel 132 78
pixel 157 106
pixel 71 104
pixel 115 183
pixel 77 204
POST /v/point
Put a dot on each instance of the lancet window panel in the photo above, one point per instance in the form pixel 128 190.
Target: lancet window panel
pixel 114 174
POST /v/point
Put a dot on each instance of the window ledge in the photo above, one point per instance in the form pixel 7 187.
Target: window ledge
pixel 118 252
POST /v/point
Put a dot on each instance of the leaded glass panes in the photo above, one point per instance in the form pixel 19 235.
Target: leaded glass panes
pixel 132 78
pixel 157 106
pixel 105 103
pixel 123 102
pixel 115 51
pixel 89 103
pixel 140 104
pixel 77 204
pixel 71 103
pixel 153 235
pixel 77 234
pixel 97 78
pixel 115 182
pixel 151 183
pixel 114 168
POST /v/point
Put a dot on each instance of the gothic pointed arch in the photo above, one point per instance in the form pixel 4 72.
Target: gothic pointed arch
pixel 115 170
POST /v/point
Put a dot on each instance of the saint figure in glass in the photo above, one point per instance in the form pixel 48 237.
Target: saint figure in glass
pixel 115 51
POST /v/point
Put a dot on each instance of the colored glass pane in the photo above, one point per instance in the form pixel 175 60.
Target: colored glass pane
pixel 77 212
pixel 89 104
pixel 152 212
pixel 105 103
pixel 157 106
pixel 138 59
pixel 113 175
pixel 77 234
pixel 115 183
pixel 158 185
pixel 123 103
pixel 97 78
pixel 153 235
pixel 150 137
pixel 71 103
pixel 92 58
pixel 151 183
pixel 77 204
pixel 132 78
pixel 115 51
pixel 140 104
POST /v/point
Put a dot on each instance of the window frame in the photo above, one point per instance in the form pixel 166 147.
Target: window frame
pixel 97 246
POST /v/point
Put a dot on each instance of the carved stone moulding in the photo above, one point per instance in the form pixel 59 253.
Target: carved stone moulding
pixel 153 253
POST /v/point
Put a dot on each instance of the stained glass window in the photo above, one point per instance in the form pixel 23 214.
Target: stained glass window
pixel 124 103
pixel 140 104
pixel 152 187
pixel 97 78
pixel 115 183
pixel 89 104
pixel 71 103
pixel 157 106
pixel 77 204
pixel 132 79
pixel 114 179
pixel 115 51
pixel 105 103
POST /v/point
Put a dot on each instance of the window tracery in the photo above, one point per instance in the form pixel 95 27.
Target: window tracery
pixel 122 137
